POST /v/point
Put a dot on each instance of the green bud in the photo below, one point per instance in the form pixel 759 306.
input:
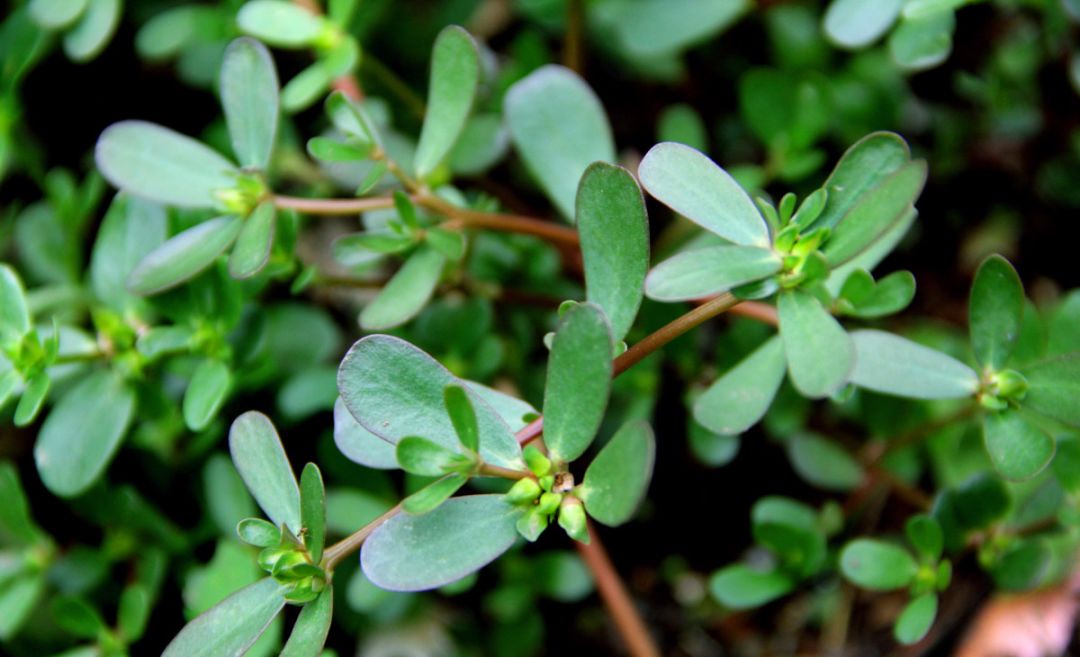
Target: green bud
pixel 786 239
pixel 810 242
pixel 525 491
pixel 284 565
pixel 944 575
pixel 572 519
pixel 1010 384
pixel 549 502
pixel 532 524
pixel 539 464
pixel 303 592
pixel 547 482
pixel 992 402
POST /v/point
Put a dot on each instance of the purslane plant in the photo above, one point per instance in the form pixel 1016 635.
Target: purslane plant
pixel 172 319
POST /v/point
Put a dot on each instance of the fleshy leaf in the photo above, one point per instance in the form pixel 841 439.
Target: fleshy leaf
pixel 559 128
pixel 396 390
pixel 14 313
pixel 740 398
pixel 161 165
pixel 863 167
pixel 463 417
pixel 279 23
pixel 856 24
pixel 820 354
pixel 897 366
pixel 430 497
pixel 358 444
pixel 56 14
pixel 82 433
pixel 702 272
pixel 311 628
pixel 823 463
pixel 995 311
pixel 741 587
pixel 614 231
pixel 313 510
pixel 184 255
pixel 91 34
pixel 406 293
pixel 691 184
pixel 1018 448
pixel 209 387
pixel 617 479
pixel 455 77
pixel 132 228
pixel 416 553
pixel 261 461
pixel 229 628
pixel 249 96
pixel 578 382
pixel 877 565
pixel 251 251
pixel 1054 388
pixel 916 619
pixel 923 42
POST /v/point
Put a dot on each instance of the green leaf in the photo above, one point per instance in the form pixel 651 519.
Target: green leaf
pixel 18 599
pixel 76 617
pixel 875 213
pixel 206 393
pixel 877 565
pixel 161 165
pixel 313 510
pixel 92 33
pixel 741 587
pixel 823 463
pixel 184 255
pixel 133 611
pixel 463 417
pixel 261 461
pixel 656 29
pixel 249 96
pixel 483 142
pixel 14 314
pixel 375 242
pixel 258 532
pixel 916 619
pixel 82 433
pixel 1023 565
pixel 450 243
pixel 279 22
pixel 227 499
pixel 922 8
pixel 710 270
pixel 430 497
pixel 1054 387
pixel 616 480
pixel 855 24
pixel 406 293
pixel 739 399
pixel 455 77
pixel 331 150
pixel 1018 448
pixel 691 184
pixel 559 128
pixel 252 249
pixel 897 366
pixel 56 14
pixel 578 382
pixel 423 457
pixel 683 124
pixel 311 628
pixel 995 311
pixel 33 399
pixel 820 354
pixel 233 625
pixel 395 390
pixel 923 42
pixel 358 444
pixel 416 553
pixel 132 228
pixel 864 166
pixel 924 533
pixel 17 528
pixel 614 231
pixel 862 297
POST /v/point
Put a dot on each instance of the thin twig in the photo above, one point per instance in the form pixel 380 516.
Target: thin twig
pixel 333 206
pixel 674 329
pixel 343 548
pixel 574 42
pixel 616 598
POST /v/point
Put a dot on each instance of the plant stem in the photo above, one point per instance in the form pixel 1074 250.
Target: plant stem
pixel 616 598
pixel 676 328
pixel 333 206
pixel 346 546
pixel 573 48
pixel 509 223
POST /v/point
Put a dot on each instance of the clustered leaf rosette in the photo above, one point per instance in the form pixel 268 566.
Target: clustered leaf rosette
pixel 815 259
pixel 161 165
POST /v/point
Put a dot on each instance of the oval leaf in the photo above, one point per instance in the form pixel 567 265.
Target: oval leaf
pixel 311 628
pixel 741 587
pixel 618 477
pixel 249 96
pixel 406 293
pixel 360 445
pixel 132 228
pixel 92 33
pixel 206 393
pixel 916 619
pixel 559 128
pixel 159 164
pixel 740 398
pixel 261 461
pixel 691 184
pixel 416 553
pixel 703 272
pixel 823 463
pixel 184 255
pixel 1018 448
pixel 313 510
pixel 455 76
pixel 279 22
pixel 995 311
pixel 1054 388
pixel 254 242
pixel 858 23
pixel 229 628
pixel 820 354
pixel 395 390
pixel 897 366
pixel 614 231
pixel 877 565
pixel 14 313
pixel 863 167
pixel 83 432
